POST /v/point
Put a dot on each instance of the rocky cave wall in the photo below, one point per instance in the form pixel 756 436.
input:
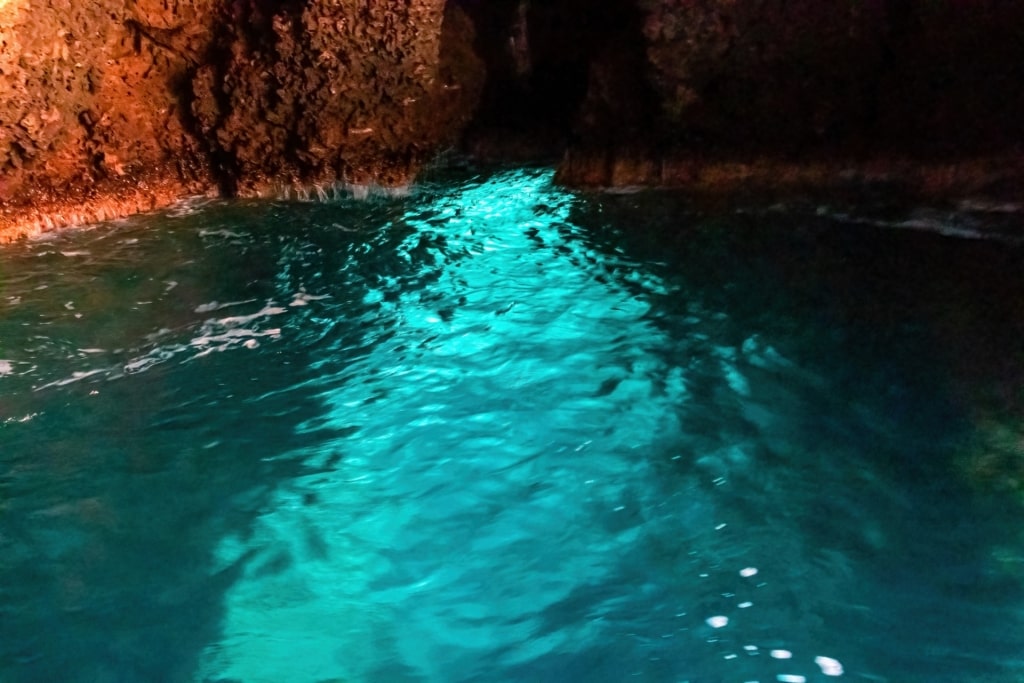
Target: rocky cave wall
pixel 715 93
pixel 108 107
pixel 88 102
pixel 802 90
pixel 322 92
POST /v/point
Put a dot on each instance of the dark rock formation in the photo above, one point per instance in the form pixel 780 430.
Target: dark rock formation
pixel 830 86
pixel 113 106
pixel 319 92
pixel 554 70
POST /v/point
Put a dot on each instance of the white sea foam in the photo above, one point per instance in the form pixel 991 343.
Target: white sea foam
pixel 216 305
pixel 959 225
pixel 990 206
pixel 213 335
pixel 236 320
pixel 229 339
pixel 76 376
pixel 303 298
pixel 829 666
pixel 228 234
pixel 188 206
pixel 717 621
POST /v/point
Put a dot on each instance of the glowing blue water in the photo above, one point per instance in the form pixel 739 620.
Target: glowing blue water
pixel 495 431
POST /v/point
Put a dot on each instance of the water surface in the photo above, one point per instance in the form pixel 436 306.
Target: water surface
pixel 497 431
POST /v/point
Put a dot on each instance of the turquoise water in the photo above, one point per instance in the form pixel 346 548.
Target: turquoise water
pixel 498 431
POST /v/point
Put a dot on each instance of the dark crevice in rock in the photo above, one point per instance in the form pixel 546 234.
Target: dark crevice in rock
pixel 543 58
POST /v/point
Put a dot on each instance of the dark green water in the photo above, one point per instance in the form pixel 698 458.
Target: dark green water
pixel 495 431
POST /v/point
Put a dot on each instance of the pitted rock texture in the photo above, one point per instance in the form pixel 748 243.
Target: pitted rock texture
pixel 89 113
pixel 110 107
pixel 113 106
pixel 325 92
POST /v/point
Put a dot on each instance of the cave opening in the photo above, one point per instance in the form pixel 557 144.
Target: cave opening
pixel 559 72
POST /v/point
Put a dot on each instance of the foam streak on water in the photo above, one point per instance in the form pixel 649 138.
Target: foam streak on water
pixel 488 432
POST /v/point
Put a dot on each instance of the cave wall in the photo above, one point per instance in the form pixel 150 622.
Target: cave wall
pixel 322 92
pixel 800 93
pixel 111 107
pixel 89 100
pixel 927 77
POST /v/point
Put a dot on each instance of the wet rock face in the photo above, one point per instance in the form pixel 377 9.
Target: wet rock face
pixel 800 76
pixel 761 73
pixel 322 92
pixel 555 69
pixel 804 93
pixel 90 123
pixel 88 93
pixel 113 106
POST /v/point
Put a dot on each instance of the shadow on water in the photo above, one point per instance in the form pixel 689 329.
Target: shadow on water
pixel 154 376
pixel 896 345
pixel 497 431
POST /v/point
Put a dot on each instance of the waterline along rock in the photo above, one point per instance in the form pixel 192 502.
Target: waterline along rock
pixel 111 107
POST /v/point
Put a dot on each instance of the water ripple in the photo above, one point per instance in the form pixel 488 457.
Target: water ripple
pixel 492 430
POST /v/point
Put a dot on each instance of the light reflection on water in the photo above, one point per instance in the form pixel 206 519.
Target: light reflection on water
pixel 487 432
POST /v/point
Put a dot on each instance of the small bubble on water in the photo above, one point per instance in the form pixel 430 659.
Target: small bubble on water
pixel 782 654
pixel 717 621
pixel 829 666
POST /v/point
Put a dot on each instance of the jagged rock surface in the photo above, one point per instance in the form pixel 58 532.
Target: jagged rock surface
pixel 90 123
pixel 111 107
pixel 927 77
pixel 322 92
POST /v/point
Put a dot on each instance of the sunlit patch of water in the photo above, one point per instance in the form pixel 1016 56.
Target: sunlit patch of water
pixel 492 430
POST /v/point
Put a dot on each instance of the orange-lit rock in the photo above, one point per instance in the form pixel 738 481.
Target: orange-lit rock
pixel 109 107
pixel 90 122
